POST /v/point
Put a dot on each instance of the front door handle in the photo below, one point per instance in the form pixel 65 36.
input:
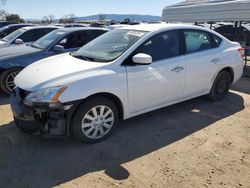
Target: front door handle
pixel 178 69
pixel 215 61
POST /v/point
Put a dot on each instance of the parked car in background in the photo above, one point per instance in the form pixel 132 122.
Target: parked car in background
pixel 75 25
pixel 121 74
pixel 14 59
pixel 6 30
pixel 25 35
pixel 241 34
pixel 4 23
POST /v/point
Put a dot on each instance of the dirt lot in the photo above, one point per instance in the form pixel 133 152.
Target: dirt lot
pixel 197 143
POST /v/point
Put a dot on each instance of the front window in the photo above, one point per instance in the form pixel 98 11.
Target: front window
pixel 47 39
pixel 13 35
pixel 109 46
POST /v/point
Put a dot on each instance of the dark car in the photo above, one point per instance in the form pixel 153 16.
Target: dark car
pixel 14 59
pixel 6 30
pixel 240 34
pixel 3 23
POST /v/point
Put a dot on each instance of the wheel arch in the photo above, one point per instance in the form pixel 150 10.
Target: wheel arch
pixel 230 71
pixel 107 95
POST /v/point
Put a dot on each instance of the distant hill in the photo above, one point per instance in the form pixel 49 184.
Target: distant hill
pixel 121 17
pixel 117 17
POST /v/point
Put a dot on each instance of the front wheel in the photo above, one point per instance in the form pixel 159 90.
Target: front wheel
pixel 7 79
pixel 94 120
pixel 221 86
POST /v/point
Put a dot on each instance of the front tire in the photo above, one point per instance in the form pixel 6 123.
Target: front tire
pixel 7 79
pixel 94 120
pixel 221 86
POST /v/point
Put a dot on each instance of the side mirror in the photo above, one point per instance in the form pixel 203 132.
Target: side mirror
pixel 19 41
pixel 58 49
pixel 142 59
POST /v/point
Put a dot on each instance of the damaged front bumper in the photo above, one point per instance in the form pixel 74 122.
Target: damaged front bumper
pixel 41 119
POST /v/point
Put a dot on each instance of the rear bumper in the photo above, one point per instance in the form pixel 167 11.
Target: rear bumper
pixel 39 121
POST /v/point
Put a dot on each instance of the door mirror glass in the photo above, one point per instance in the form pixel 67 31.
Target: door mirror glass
pixel 19 41
pixel 143 59
pixel 58 49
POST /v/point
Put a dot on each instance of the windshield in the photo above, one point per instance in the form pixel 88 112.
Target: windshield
pixel 109 46
pixel 47 39
pixel 13 35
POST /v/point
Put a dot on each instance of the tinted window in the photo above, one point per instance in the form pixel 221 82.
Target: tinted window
pixel 7 31
pixel 161 46
pixel 31 35
pixel 227 31
pixel 217 40
pixel 74 40
pixel 196 41
pixel 35 34
pixel 95 33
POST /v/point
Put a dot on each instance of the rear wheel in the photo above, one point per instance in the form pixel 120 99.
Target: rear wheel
pixel 221 86
pixel 94 120
pixel 7 79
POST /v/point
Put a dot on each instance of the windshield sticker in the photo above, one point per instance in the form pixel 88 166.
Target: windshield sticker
pixel 136 33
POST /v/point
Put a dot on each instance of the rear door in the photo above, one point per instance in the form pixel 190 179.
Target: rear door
pixel 203 58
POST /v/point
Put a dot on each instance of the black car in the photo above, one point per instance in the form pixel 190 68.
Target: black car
pixel 6 30
pixel 240 34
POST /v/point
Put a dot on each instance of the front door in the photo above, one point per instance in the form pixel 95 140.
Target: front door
pixel 151 86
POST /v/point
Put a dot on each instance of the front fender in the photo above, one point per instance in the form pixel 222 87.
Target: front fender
pixel 104 81
pixel 22 61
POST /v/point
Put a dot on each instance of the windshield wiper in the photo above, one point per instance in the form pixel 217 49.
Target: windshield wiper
pixel 82 57
pixel 35 46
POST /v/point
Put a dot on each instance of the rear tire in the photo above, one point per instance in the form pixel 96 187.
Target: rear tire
pixel 221 86
pixel 7 79
pixel 94 120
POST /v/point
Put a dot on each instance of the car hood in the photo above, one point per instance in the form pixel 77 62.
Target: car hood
pixel 3 44
pixel 55 71
pixel 17 50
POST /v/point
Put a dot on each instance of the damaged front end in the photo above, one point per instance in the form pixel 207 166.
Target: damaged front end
pixel 40 118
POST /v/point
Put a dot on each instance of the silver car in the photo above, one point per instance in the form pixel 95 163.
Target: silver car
pixel 26 35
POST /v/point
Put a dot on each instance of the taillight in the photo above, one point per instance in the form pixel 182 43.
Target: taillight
pixel 242 52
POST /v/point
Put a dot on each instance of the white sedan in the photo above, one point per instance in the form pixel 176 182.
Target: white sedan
pixel 122 74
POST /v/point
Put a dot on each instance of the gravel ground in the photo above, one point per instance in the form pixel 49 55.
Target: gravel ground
pixel 197 143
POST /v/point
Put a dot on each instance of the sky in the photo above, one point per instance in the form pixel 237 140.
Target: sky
pixel 36 9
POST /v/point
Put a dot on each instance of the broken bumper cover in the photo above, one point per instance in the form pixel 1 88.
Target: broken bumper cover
pixel 39 120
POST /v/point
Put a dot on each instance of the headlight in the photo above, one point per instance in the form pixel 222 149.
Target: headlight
pixel 45 96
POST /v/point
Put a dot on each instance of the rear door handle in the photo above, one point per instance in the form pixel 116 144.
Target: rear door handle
pixel 178 69
pixel 215 61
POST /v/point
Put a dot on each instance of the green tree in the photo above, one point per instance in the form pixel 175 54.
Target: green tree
pixel 14 18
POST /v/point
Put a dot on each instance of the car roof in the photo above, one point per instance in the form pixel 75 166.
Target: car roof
pixel 155 27
pixel 22 24
pixel 72 29
pixel 39 27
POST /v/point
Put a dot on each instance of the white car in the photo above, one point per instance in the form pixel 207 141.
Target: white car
pixel 122 74
pixel 25 35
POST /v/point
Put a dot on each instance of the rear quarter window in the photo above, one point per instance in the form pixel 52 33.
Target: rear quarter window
pixel 217 41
